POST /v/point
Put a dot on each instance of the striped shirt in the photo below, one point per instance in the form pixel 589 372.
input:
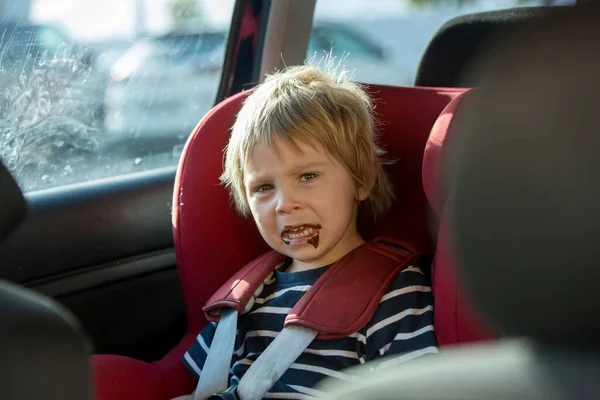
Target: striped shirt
pixel 400 330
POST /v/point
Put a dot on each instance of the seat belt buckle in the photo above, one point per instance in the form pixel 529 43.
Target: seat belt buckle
pixel 228 394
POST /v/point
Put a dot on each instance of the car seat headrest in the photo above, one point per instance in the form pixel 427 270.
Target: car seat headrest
pixel 463 39
pixel 525 203
pixel 44 352
pixel 12 210
pixel 434 171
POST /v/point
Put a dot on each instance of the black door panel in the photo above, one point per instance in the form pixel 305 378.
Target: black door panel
pixel 141 317
pixel 105 251
pixel 133 307
pixel 105 274
pixel 90 224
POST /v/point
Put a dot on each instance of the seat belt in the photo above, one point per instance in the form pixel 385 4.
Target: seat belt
pixel 215 373
pixel 263 373
pixel 277 358
pixel 234 298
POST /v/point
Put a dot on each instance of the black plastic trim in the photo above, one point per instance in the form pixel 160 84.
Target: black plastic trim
pixel 260 42
pixel 230 52
pixel 88 278
pixel 242 61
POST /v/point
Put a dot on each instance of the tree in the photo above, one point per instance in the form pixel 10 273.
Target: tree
pixel 48 114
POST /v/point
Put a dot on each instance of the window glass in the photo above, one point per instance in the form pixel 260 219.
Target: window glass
pixel 382 41
pixel 338 39
pixel 93 89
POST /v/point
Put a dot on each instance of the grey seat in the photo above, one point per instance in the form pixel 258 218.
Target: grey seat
pixel 461 42
pixel 43 353
pixel 525 214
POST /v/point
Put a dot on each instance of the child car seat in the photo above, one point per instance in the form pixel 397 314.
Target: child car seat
pixel 212 242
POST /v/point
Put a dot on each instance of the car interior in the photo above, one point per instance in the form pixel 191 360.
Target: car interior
pixel 38 337
pixel 522 215
pixel 105 279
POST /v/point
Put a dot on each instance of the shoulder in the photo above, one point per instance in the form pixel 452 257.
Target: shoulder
pixel 408 297
pixel 403 321
pixel 408 284
pixel 410 276
pixel 410 290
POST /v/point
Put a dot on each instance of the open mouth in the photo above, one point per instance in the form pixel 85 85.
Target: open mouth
pixel 301 234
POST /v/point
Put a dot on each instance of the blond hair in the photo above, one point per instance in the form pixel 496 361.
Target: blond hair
pixel 310 105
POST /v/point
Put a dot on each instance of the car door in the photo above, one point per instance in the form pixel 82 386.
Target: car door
pixel 98 231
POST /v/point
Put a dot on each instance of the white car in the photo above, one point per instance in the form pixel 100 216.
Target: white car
pixel 161 87
pixel 367 59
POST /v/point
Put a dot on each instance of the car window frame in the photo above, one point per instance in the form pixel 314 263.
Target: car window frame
pixel 73 230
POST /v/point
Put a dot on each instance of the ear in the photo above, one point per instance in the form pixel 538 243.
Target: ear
pixel 363 193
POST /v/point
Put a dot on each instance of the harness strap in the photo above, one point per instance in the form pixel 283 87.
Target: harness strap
pixel 311 318
pixel 274 361
pixel 215 373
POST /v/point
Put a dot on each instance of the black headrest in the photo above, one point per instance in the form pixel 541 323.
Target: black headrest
pixel 12 209
pixel 464 39
pixel 526 206
pixel 44 353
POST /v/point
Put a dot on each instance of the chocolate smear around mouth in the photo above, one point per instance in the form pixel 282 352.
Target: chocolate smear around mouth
pixel 314 240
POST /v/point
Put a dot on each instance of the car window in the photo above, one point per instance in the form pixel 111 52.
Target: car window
pixel 98 89
pixel 50 39
pixel 337 39
pixel 383 41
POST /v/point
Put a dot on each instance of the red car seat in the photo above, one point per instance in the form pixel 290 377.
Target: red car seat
pixel 455 320
pixel 212 242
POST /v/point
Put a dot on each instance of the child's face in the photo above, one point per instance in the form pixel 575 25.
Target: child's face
pixel 304 203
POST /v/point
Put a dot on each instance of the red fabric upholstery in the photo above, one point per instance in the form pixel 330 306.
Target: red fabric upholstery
pixel 334 310
pixel 128 378
pixel 122 378
pixel 455 320
pixel 212 242
pixel 357 298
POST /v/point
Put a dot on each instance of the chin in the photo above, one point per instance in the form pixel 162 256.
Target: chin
pixel 306 254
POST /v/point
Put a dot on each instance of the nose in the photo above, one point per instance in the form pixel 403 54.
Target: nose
pixel 287 201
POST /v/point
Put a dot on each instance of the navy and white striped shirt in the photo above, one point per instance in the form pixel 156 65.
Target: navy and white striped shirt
pixel 401 329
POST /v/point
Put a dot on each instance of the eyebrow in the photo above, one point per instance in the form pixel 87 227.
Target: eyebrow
pixel 307 166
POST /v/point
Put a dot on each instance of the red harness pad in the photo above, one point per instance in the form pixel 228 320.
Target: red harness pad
pixel 343 299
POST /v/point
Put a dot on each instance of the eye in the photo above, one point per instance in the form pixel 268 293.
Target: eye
pixel 308 177
pixel 263 188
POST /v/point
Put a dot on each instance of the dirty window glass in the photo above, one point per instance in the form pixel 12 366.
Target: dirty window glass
pixel 382 41
pixel 93 89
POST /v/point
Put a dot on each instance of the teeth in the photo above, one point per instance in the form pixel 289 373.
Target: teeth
pixel 295 233
pixel 311 233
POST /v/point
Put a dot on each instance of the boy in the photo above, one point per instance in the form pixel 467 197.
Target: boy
pixel 303 161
